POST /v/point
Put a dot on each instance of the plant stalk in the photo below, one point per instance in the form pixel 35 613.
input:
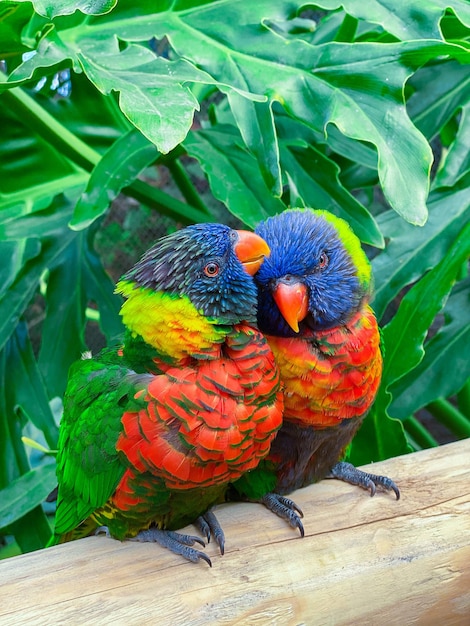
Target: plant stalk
pixel 35 117
pixel 463 399
pixel 450 416
pixel 181 178
pixel 419 433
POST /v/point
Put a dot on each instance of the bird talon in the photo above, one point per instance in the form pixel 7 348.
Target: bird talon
pixel 102 529
pixel 209 525
pixel 373 489
pixel 175 542
pixel 284 508
pixel 350 474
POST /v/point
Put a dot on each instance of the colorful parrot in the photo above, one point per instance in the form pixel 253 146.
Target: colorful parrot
pixel 153 431
pixel 313 295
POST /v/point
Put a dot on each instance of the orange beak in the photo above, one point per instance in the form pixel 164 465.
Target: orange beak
pixel 292 301
pixel 251 250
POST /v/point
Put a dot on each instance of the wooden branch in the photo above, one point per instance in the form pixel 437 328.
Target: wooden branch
pixel 363 560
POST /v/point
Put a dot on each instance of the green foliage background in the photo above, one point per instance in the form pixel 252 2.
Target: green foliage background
pixel 361 108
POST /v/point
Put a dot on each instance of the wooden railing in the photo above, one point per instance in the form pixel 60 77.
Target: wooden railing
pixel 365 561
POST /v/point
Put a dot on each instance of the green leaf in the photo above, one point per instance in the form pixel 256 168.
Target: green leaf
pixel 256 123
pixel 66 7
pixel 449 348
pixel 439 90
pixel 31 169
pixel 233 173
pixel 456 162
pixel 412 251
pixel 357 87
pixel 379 437
pixel 25 493
pixel 151 90
pixel 400 17
pixel 13 17
pixel 404 336
pixel 121 165
pixel 316 180
pixel 32 531
pixel 29 392
pixel 64 324
pixel 100 290
pixel 14 301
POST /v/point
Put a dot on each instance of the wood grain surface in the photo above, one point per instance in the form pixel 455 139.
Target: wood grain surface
pixel 367 561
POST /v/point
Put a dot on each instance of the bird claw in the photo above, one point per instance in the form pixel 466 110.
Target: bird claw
pixel 177 543
pixel 350 474
pixel 102 529
pixel 209 525
pixel 285 508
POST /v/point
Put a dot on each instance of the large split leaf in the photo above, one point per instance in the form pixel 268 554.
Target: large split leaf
pixel 356 87
pixel 446 352
pixel 315 178
pixel 381 436
pixel 456 162
pixel 233 173
pixel 54 8
pixel 404 336
pixel 411 251
pixel 121 164
pixel 26 492
pixel 398 17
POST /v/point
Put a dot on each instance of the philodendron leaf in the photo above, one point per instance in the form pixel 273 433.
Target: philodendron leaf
pixel 399 17
pixel 54 8
pixel 456 162
pixel 316 179
pixel 29 391
pixel 437 92
pixel 25 493
pixel 233 173
pixel 152 90
pixel 404 336
pixel 381 436
pixel 411 251
pixel 15 300
pixel 118 167
pixel 448 349
pixel 358 87
pixel 256 123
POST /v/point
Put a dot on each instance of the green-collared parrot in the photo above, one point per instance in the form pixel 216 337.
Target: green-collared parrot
pixel 155 429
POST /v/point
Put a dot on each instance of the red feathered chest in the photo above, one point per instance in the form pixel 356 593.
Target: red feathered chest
pixel 206 421
pixel 330 375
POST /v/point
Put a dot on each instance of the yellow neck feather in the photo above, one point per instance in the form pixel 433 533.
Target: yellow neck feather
pixel 170 323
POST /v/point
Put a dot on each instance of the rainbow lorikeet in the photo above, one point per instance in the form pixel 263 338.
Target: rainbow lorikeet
pixel 153 431
pixel 313 295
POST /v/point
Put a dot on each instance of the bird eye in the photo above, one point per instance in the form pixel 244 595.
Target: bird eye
pixel 211 269
pixel 323 260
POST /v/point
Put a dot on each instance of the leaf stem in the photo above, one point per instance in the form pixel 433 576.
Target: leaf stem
pixel 450 416
pixel 463 399
pixel 181 178
pixel 419 433
pixel 35 117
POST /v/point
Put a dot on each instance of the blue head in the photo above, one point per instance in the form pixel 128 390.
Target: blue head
pixel 317 273
pixel 211 264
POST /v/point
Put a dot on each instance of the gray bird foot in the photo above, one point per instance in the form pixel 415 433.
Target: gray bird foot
pixel 176 542
pixel 102 529
pixel 209 525
pixel 350 474
pixel 285 508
